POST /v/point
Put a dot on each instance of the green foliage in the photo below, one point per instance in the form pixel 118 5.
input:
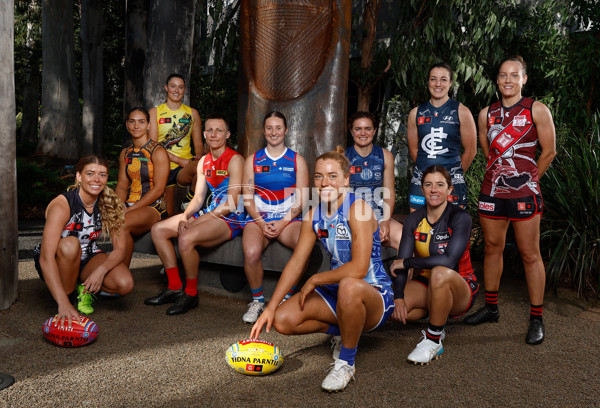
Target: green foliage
pixel 571 223
pixel 38 182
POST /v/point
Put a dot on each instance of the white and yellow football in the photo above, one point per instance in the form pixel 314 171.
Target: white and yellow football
pixel 254 357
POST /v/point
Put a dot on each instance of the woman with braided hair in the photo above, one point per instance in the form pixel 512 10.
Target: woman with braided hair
pixel 69 254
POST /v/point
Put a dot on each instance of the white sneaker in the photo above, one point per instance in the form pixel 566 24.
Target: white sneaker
pixel 255 308
pixel 340 374
pixel 336 346
pixel 426 351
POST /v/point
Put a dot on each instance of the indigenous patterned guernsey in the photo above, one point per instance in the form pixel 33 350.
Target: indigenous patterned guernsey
pixel 274 183
pixel 366 175
pixel 140 171
pixel 335 235
pixel 175 130
pixel 511 170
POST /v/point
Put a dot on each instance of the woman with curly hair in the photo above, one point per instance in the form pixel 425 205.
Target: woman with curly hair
pixel 69 253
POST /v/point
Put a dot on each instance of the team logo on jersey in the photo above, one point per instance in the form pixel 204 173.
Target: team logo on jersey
pixel 341 232
pixel 262 169
pixel 164 120
pixel 504 139
pixel 74 226
pixel 322 233
pixel 493 120
pixel 421 237
pixel 431 143
pixel 423 120
pixel 519 121
pixel 355 169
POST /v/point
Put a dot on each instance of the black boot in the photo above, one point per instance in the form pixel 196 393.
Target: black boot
pixel 536 332
pixel 183 304
pixel 482 315
pixel 164 296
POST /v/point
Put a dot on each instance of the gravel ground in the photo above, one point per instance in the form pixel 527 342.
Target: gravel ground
pixel 144 358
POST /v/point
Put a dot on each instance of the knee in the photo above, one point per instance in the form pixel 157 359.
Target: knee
pixel 69 248
pixel 283 322
pixel 493 247
pixel 186 243
pixel 124 285
pixel 252 253
pixel 530 256
pixel 440 277
pixel 349 291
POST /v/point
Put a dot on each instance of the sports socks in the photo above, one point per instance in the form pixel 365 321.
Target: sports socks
pixel 257 294
pixel 434 333
pixel 537 312
pixel 173 277
pixel 290 293
pixel 191 286
pixel 333 329
pixel 189 196
pixel 348 354
pixel 491 300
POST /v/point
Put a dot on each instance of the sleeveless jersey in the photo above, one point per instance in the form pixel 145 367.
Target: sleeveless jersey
pixel 366 177
pixel 335 235
pixel 175 130
pixel 511 170
pixel 442 243
pixel 85 226
pixel 274 183
pixel 439 135
pixel 140 170
pixel 217 177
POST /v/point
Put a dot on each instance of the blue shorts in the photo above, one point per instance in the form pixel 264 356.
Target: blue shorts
pixel 329 295
pixel 234 221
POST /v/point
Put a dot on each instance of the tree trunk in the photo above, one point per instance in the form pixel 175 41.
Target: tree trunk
pixel 169 47
pixel 91 34
pixel 31 89
pixel 135 54
pixel 60 123
pixel 370 14
pixel 9 255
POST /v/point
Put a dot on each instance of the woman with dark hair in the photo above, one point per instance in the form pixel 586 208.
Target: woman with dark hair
pixel 355 296
pixel 436 132
pixel 69 253
pixel 510 131
pixel 143 172
pixel 274 180
pixel 443 282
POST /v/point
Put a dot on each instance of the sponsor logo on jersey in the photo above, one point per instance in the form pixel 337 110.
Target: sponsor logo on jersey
pixel 322 233
pixel 286 168
pixel 431 143
pixel 185 120
pixel 524 206
pixel 208 173
pixel 341 232
pixel 164 120
pixel 447 118
pixel 95 234
pixel 421 237
pixel 416 200
pixel 494 120
pixel 355 169
pixel 441 237
pixel 366 174
pixel 487 206
pixel 520 120
pixel 423 120
pixel 262 169
pixel 222 173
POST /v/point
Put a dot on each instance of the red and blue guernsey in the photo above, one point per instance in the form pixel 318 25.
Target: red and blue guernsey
pixel 335 235
pixel 217 178
pixel 274 183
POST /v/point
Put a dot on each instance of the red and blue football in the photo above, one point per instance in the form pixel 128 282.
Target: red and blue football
pixel 79 334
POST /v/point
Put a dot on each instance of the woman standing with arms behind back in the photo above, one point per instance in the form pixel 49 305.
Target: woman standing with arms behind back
pixel 509 132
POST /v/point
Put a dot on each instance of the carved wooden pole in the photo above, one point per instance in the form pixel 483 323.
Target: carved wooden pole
pixel 295 58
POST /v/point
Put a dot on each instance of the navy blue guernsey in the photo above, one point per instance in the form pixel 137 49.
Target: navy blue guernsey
pixel 366 175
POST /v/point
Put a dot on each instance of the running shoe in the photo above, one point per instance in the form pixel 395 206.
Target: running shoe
pixel 255 308
pixel 336 346
pixel 340 374
pixel 426 351
pixel 85 300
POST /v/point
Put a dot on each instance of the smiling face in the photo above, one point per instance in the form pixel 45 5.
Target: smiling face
pixel 330 180
pixel 92 180
pixel 137 124
pixel 511 79
pixel 436 189
pixel 363 132
pixel 216 133
pixel 275 131
pixel 439 83
pixel 175 89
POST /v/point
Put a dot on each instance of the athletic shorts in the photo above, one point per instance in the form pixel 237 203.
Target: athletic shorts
pixel 235 222
pixel 172 180
pixel 329 294
pixel 471 281
pixel 160 206
pixel 38 267
pixel 514 209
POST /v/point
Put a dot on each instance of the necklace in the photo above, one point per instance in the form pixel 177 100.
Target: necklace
pixel 87 205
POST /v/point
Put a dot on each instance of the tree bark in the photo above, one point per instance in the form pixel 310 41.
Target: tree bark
pixel 9 256
pixel 60 123
pixel 370 13
pixel 32 85
pixel 136 27
pixel 169 47
pixel 91 34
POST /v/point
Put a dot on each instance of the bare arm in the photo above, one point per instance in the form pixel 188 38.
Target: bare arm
pixel 197 135
pixel 248 192
pixel 546 135
pixel 412 134
pixel 389 199
pixel 122 188
pixel 468 136
pixel 153 131
pixel 483 129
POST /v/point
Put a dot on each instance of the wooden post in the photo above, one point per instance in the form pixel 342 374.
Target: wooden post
pixel 9 255
pixel 295 59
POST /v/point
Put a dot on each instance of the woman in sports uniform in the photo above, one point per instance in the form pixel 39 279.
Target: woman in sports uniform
pixel 372 175
pixel 274 180
pixel 69 253
pixel 443 282
pixel 355 295
pixel 436 131
pixel 219 171
pixel 510 132
pixel 143 172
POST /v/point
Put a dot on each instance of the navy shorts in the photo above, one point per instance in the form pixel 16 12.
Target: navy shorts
pixel 172 180
pixel 38 267
pixel 514 209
